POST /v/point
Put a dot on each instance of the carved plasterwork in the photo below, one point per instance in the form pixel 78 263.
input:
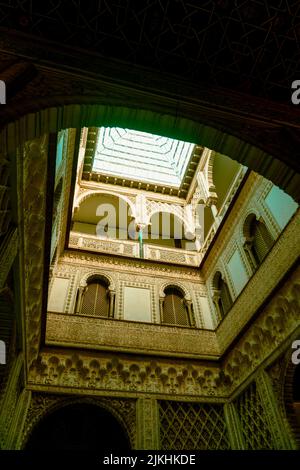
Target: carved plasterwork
pixel 230 226
pixel 277 424
pixel 130 336
pixel 179 284
pixel 114 375
pixel 270 333
pixel 283 255
pixel 95 272
pixel 32 189
pixel 126 265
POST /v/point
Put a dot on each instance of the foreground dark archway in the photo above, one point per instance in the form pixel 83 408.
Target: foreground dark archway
pixel 79 426
pixel 79 111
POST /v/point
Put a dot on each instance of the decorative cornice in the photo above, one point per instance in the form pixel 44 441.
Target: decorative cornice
pixel 123 265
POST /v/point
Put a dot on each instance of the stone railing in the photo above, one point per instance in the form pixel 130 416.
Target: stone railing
pixel 93 243
pixel 131 249
pixel 171 255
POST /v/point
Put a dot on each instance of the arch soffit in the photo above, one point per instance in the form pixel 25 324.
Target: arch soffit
pixel 64 402
pixel 78 112
pixel 84 280
pixel 176 284
pixel 170 210
pixel 95 193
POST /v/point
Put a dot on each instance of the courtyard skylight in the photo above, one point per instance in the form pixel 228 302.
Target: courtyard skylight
pixel 141 156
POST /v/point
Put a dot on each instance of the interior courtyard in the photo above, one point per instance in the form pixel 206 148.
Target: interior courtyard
pixel 149 249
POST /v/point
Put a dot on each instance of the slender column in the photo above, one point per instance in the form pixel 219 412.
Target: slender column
pixel 278 427
pixel 112 296
pixel 147 424
pixel 211 202
pixel 161 307
pixel 248 248
pixel 188 304
pixel 79 299
pixel 216 299
pixel 234 427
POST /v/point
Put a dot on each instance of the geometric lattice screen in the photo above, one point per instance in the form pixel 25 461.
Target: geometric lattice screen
pixel 192 426
pixel 174 310
pixel 254 423
pixel 95 300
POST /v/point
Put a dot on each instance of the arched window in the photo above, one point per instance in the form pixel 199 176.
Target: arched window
pixel 222 297
pixel 258 240
pixel 175 310
pixel 95 299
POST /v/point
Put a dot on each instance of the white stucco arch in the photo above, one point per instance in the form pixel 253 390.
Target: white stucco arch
pixel 177 284
pixel 93 193
pixel 86 276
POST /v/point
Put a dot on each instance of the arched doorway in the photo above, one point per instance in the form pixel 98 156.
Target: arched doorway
pixel 79 426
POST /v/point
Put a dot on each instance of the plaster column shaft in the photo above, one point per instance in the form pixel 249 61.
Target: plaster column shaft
pixel 147 424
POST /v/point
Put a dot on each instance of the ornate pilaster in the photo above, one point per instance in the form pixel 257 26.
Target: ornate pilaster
pixel 270 405
pixel 234 427
pixel 147 424
pixel 189 307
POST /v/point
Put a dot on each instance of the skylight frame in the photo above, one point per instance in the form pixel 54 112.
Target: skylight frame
pixel 115 157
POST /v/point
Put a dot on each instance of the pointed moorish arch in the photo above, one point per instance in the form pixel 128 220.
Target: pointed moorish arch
pixel 54 119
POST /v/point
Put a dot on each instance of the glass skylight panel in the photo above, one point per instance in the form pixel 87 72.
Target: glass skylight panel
pixel 141 156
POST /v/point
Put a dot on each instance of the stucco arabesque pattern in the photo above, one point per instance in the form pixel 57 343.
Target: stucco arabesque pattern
pixel 265 339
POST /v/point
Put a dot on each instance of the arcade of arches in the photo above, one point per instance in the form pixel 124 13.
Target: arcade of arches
pixel 142 286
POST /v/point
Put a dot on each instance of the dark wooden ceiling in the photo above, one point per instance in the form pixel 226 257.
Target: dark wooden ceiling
pixel 250 46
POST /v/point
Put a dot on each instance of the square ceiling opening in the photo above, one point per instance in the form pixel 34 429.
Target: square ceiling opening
pixel 140 156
